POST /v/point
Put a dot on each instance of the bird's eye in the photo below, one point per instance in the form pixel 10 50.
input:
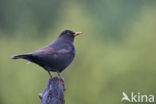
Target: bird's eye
pixel 68 33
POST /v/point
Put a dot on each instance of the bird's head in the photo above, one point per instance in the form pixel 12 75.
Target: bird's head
pixel 69 35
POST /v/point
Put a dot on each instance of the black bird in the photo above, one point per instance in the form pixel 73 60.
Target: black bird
pixel 56 56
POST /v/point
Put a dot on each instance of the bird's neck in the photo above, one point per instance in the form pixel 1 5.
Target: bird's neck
pixel 67 39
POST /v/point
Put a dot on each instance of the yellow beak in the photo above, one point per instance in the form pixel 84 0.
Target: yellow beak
pixel 77 33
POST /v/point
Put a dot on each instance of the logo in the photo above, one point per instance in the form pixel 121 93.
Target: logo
pixel 137 97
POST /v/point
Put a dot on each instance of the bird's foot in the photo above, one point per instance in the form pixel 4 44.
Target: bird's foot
pixel 51 77
pixel 61 79
pixel 62 82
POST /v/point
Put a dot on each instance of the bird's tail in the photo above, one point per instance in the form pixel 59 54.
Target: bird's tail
pixel 23 56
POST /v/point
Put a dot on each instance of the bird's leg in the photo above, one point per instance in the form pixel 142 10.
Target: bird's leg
pixel 61 80
pixel 50 75
pixel 60 77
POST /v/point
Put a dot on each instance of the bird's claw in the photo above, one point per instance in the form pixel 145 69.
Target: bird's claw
pixel 51 77
pixel 61 79
pixel 61 82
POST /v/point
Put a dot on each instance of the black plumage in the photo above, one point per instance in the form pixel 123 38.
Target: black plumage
pixel 56 56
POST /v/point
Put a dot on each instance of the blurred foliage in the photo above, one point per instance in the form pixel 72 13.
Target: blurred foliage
pixel 116 53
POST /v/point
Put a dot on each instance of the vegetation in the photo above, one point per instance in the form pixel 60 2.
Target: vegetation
pixel 116 53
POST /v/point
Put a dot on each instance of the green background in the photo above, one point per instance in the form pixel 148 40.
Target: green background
pixel 116 53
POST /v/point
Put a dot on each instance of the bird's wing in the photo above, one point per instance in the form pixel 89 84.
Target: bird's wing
pixel 51 56
pixel 50 50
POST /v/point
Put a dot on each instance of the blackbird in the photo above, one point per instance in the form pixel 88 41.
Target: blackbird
pixel 56 56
